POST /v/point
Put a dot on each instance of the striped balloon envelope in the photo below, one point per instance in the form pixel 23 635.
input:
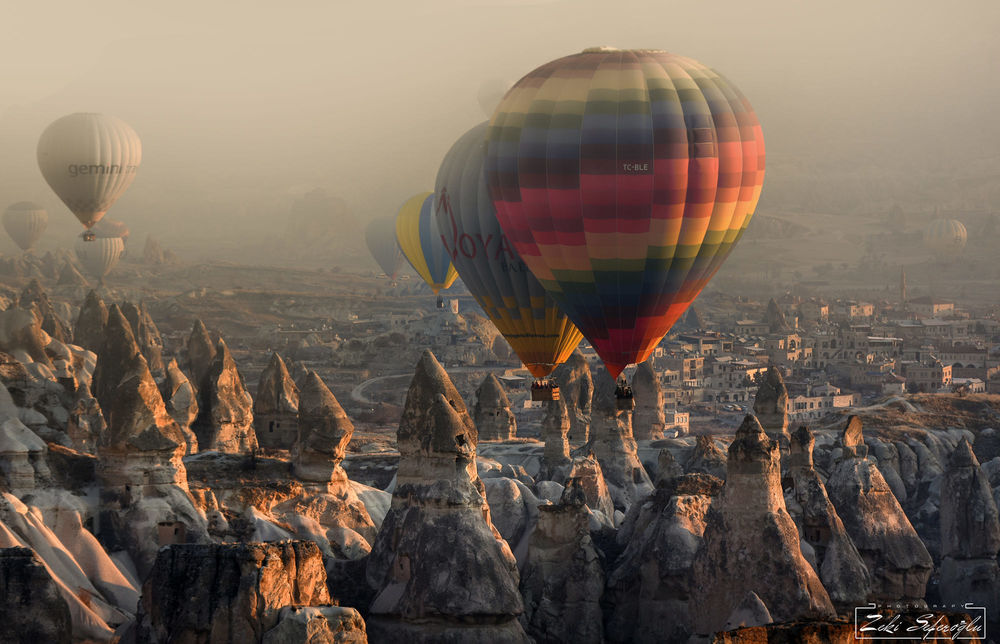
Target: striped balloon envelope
pixel 945 237
pixel 540 334
pixel 624 178
pixel 99 256
pixel 420 240
pixel 25 222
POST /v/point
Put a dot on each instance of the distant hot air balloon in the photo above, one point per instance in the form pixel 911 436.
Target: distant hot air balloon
pixel 489 266
pixel 98 256
pixel 89 160
pixel 623 179
pixel 380 235
pixel 25 222
pixel 420 240
pixel 109 227
pixel 945 237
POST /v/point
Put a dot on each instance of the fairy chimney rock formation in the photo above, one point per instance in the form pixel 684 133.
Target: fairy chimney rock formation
pixel 467 591
pixel 648 419
pixel 970 535
pixel 276 406
pixel 775 318
pixel 831 551
pixel 751 543
pixel 181 400
pixel 117 347
pixel 146 335
pixel 770 406
pixel 70 276
pixel 555 432
pixel 893 553
pixel 200 352
pixel 577 388
pixel 225 415
pixel 89 329
pixel 491 413
pixel 324 430
pixel 611 442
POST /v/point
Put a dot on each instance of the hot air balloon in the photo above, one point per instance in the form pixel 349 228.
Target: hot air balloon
pixel 420 240
pixel 25 222
pixel 98 256
pixel 380 236
pixel 623 179
pixel 89 160
pixel 945 237
pixel 489 266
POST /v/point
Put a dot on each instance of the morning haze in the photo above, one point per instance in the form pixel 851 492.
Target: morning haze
pixel 243 110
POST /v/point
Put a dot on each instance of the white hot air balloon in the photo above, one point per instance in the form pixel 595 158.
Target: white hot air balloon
pixel 98 256
pixel 25 222
pixel 89 160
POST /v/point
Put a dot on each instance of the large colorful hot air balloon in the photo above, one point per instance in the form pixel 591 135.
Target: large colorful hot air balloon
pixel 420 240
pixel 489 266
pixel 25 222
pixel 945 237
pixel 98 256
pixel 89 160
pixel 623 179
pixel 380 235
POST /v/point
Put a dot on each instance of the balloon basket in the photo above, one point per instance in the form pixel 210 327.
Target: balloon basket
pixel 623 397
pixel 544 390
pixel 89 236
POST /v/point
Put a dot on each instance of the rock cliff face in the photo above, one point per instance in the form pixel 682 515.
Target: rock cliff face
pixel 650 584
pixel 770 406
pixel 117 347
pixel 276 406
pixel 555 432
pixel 970 535
pixel 577 389
pixel 225 416
pixel 893 553
pixel 228 593
pixel 611 442
pixel 89 330
pixel 491 413
pixel 32 609
pixel 147 336
pixel 751 543
pixel 324 432
pixel 706 458
pixel 648 420
pixel 181 400
pixel 825 543
pixel 562 578
pixel 200 352
pixel 466 592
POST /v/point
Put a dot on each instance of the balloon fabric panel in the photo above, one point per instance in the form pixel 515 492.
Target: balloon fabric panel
pixel 421 243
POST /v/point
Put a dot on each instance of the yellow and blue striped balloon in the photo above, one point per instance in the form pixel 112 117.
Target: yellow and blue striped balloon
pixel 420 240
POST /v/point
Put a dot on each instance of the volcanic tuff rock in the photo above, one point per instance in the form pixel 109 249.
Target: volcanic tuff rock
pixel 324 430
pixel 86 421
pixel 562 578
pixel 706 457
pixel 587 473
pixel 71 277
pixel 893 553
pixel 970 535
pixel 576 388
pixel 648 419
pixel 824 540
pixel 770 406
pixel 466 590
pixel 612 444
pixel 181 401
pixel 775 318
pixel 32 610
pixel 276 406
pixel 147 336
pixel 228 593
pixel 21 330
pixel 650 584
pixel 200 353
pixel 555 432
pixel 225 418
pixel 89 330
pixel 317 625
pixel 751 543
pixel 491 413
pixel 118 347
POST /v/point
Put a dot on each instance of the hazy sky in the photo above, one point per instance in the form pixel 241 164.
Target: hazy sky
pixel 244 106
